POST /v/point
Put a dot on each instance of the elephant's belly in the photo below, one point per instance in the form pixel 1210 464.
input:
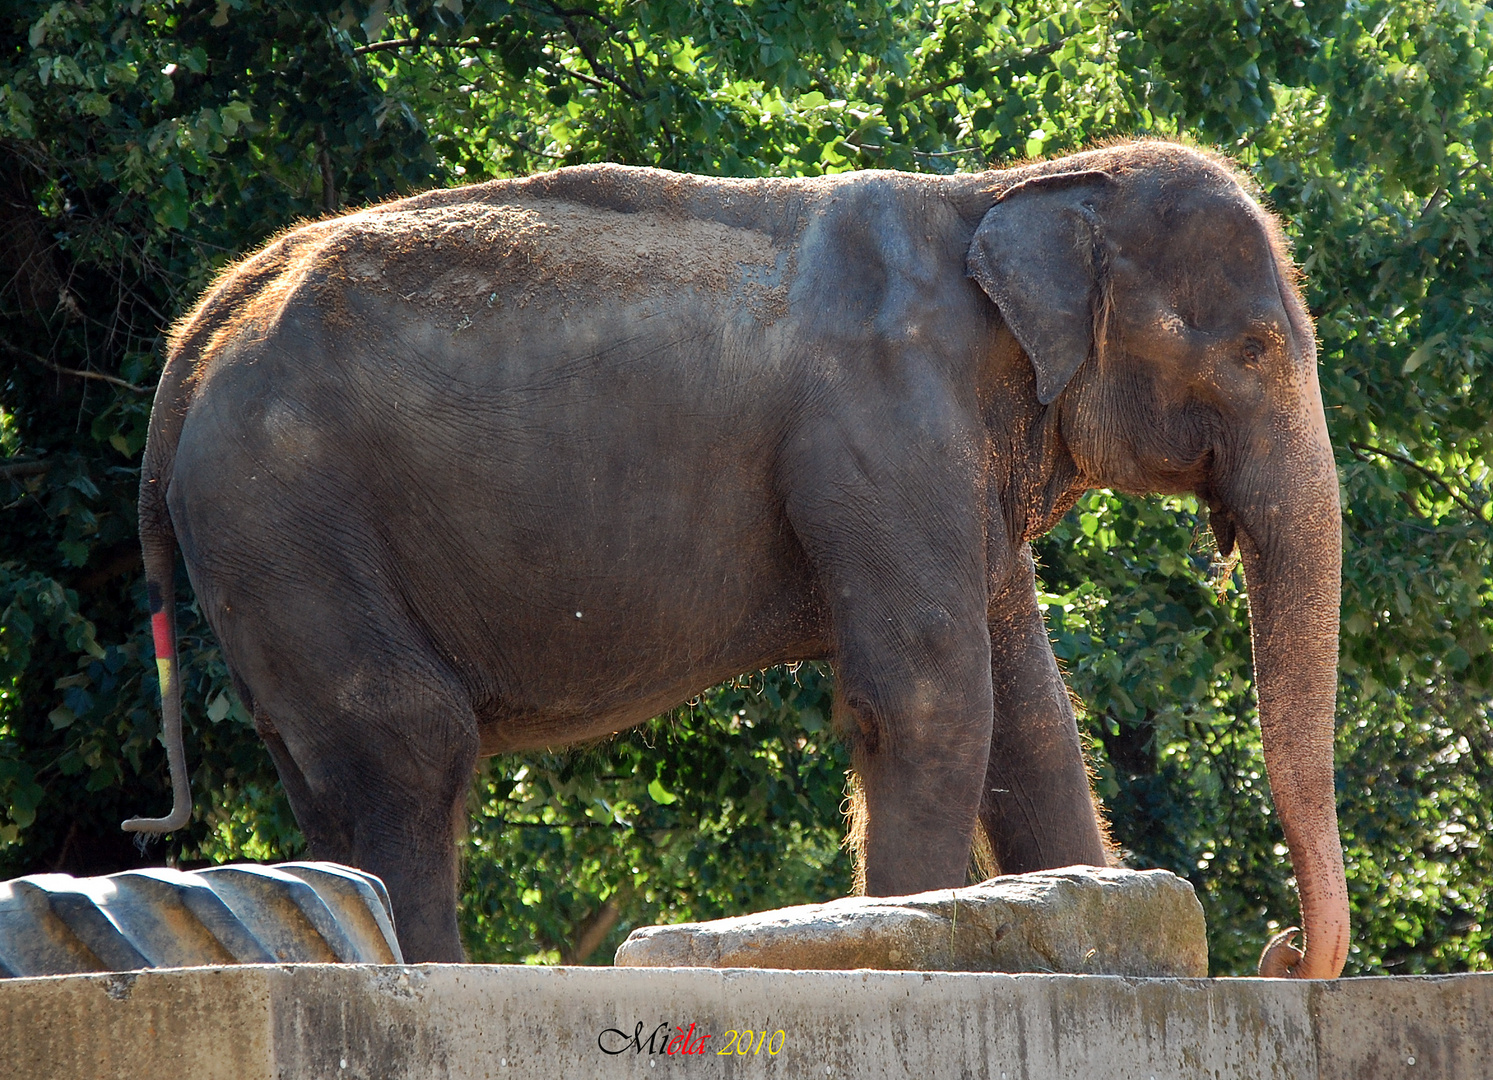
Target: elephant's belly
pixel 624 625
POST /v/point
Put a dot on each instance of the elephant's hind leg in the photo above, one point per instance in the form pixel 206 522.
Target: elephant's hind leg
pixel 380 783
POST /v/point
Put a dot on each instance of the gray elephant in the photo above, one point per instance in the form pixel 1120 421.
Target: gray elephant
pixel 521 464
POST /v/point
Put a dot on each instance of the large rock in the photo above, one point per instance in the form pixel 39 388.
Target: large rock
pixel 1078 920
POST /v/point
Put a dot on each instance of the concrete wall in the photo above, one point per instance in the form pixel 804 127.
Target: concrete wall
pixel 367 1022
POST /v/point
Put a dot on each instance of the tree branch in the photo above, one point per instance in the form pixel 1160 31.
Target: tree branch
pixel 932 88
pixel 1438 198
pixel 563 825
pixel 943 84
pixel 405 42
pixel 122 559
pixel 604 71
pixel 1359 449
pixel 14 470
pixel 112 380
pixel 572 73
pixel 519 144
pixel 946 153
pixel 592 932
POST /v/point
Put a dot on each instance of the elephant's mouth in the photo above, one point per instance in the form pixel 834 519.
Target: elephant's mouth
pixel 1222 522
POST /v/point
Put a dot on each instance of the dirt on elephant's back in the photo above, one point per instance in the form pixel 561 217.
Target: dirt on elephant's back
pixel 458 260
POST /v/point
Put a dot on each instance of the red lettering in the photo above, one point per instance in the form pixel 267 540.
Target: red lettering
pixel 680 1042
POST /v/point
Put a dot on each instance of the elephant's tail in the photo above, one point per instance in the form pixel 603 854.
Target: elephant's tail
pixel 158 546
pixel 192 344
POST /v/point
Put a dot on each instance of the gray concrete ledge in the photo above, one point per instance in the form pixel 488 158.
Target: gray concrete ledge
pixel 357 1022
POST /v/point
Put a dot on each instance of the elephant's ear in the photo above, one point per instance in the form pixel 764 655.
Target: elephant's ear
pixel 1039 255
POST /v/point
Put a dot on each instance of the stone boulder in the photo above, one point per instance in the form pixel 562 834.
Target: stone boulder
pixel 1077 920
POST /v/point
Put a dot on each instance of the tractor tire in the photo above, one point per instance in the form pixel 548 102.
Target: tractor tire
pixel 243 913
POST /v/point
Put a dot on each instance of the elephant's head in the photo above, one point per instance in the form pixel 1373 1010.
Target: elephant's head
pixel 1157 305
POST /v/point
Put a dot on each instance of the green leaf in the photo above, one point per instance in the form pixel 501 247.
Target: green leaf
pixel 94 104
pixel 1422 353
pixel 75 552
pixel 657 793
pixel 233 114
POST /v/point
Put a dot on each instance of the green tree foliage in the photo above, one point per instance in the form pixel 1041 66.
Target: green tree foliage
pixel 143 145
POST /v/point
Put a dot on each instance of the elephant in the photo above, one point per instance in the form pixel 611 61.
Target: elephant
pixel 524 463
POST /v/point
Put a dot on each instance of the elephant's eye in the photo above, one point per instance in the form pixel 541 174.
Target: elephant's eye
pixel 1254 350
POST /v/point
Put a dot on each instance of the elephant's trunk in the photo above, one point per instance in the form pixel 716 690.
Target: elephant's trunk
pixel 1289 530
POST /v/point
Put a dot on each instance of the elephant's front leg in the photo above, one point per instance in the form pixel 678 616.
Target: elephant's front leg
pixel 1037 809
pixel 913 697
pixel 884 487
pixel 911 654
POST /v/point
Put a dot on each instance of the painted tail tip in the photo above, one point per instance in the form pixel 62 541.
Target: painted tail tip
pixel 162 636
pixel 173 821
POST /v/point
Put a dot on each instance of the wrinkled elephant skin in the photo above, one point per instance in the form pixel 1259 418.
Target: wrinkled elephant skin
pixel 522 464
